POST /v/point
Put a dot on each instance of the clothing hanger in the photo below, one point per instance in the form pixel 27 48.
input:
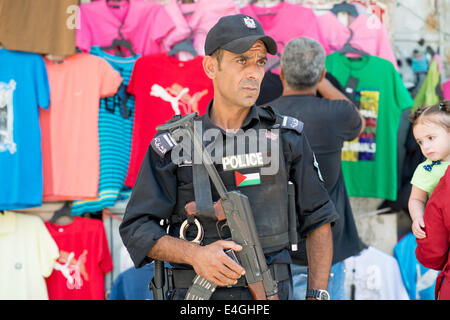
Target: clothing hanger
pixel 185 45
pixel 345 7
pixel 56 59
pixel 255 1
pixel 348 48
pixel 63 215
pixel 430 51
pixel 120 43
pixel 263 3
pixel 186 2
pixel 117 1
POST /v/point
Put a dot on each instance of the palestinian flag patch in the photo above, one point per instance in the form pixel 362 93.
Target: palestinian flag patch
pixel 249 179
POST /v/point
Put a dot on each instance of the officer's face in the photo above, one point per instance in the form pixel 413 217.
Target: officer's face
pixel 238 77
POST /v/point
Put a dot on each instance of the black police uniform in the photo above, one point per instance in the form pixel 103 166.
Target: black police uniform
pixel 163 188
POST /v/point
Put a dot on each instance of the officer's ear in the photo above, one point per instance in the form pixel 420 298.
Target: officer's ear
pixel 210 65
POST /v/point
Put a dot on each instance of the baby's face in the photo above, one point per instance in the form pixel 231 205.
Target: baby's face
pixel 434 140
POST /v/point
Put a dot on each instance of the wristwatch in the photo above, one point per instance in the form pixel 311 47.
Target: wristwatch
pixel 318 294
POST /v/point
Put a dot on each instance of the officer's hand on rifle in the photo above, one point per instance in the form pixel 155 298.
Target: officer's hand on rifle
pixel 212 263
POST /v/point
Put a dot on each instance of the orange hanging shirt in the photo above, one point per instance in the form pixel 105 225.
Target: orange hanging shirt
pixel 70 146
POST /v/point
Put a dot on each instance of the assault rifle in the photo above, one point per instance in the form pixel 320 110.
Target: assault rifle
pixel 233 208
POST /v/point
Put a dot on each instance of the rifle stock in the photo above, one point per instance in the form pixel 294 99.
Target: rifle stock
pixel 257 290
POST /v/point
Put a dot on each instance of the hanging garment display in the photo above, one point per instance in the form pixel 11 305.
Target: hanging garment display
pixel 369 34
pixel 70 143
pixel 427 95
pixel 23 89
pixel 163 86
pixel 28 254
pixel 374 275
pixel 132 284
pixel 446 89
pixel 419 281
pixel 143 23
pixel 84 259
pixel 115 128
pixel 39 26
pixel 286 21
pixel 369 162
pixel 193 20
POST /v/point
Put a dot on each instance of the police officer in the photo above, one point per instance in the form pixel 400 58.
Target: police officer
pixel 236 52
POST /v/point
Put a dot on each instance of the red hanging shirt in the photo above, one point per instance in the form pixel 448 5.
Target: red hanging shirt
pixel 163 86
pixel 84 259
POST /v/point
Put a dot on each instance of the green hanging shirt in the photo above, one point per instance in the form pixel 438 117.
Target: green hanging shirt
pixel 427 95
pixel 369 163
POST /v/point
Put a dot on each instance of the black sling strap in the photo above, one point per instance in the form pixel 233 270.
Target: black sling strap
pixel 202 191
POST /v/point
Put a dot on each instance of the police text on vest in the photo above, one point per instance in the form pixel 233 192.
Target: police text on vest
pixel 241 161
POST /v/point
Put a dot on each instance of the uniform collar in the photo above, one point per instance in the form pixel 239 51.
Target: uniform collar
pixel 250 121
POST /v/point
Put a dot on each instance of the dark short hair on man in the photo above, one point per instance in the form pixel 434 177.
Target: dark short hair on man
pixel 218 54
pixel 302 62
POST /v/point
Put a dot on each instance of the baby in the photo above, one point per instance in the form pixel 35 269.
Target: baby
pixel 431 129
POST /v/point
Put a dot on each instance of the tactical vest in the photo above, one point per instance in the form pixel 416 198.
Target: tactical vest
pixel 268 199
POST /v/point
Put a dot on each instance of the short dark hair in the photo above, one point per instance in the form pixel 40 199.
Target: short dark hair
pixel 218 54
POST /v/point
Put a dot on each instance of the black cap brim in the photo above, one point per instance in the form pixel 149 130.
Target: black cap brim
pixel 244 44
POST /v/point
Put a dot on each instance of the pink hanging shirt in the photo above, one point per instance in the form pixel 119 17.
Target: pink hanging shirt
pixel 286 21
pixel 198 17
pixel 369 35
pixel 145 25
pixel 446 89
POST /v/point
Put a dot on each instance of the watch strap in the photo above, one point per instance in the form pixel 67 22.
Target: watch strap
pixel 314 293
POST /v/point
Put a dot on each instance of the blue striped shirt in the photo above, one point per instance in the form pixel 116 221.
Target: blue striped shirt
pixel 115 127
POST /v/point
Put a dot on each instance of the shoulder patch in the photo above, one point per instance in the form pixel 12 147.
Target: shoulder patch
pixel 163 143
pixel 292 123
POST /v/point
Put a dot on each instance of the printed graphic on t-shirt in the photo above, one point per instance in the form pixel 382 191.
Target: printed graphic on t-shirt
pixel 7 117
pixel 72 269
pixel 369 283
pixel 363 148
pixel 424 281
pixel 178 97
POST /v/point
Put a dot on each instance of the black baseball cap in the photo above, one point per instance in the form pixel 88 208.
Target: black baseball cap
pixel 237 33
